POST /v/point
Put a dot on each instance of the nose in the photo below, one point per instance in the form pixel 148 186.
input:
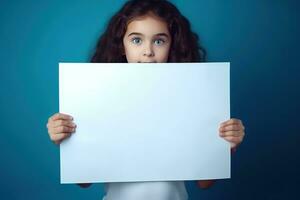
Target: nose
pixel 148 50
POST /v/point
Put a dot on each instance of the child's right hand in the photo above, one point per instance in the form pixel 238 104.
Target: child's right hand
pixel 60 126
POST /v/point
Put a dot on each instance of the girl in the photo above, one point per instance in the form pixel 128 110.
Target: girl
pixel 147 31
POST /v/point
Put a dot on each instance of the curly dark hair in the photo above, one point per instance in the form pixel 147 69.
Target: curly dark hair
pixel 184 45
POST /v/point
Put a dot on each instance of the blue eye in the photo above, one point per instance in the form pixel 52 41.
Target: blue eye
pixel 159 42
pixel 136 40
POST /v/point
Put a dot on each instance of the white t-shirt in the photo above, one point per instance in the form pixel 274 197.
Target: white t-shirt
pixel 166 190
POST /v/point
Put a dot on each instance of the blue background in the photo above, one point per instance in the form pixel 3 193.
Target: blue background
pixel 259 37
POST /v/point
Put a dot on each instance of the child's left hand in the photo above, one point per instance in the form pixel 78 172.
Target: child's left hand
pixel 232 131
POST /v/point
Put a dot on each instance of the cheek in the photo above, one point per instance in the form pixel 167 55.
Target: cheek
pixel 131 53
pixel 163 54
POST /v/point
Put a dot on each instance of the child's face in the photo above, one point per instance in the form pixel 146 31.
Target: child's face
pixel 147 39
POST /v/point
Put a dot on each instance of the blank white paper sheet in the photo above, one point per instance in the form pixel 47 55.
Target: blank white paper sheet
pixel 144 121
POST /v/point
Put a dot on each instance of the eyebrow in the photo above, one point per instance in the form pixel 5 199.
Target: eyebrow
pixel 158 34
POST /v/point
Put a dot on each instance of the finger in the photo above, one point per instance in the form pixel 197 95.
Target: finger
pixel 57 138
pixel 232 133
pixel 60 116
pixel 62 129
pixel 59 122
pixel 233 139
pixel 231 127
pixel 231 121
pixel 67 123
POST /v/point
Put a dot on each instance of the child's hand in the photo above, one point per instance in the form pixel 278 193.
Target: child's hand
pixel 60 127
pixel 232 131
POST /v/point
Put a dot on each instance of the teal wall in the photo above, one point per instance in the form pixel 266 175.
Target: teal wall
pixel 259 37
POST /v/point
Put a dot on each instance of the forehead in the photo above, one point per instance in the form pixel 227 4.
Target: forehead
pixel 148 24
